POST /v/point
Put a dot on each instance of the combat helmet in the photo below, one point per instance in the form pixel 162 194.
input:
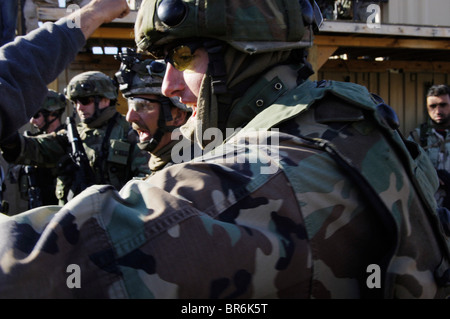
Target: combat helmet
pixel 54 101
pixel 54 105
pixel 273 25
pixel 139 76
pixel 278 31
pixel 142 76
pixel 91 83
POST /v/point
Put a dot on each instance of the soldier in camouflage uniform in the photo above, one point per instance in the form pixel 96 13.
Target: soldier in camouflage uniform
pixel 155 117
pixel 434 137
pixel 317 196
pixel 37 184
pixel 108 140
pixel 48 118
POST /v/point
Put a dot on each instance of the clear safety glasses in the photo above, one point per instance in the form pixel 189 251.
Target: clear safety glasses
pixel 142 105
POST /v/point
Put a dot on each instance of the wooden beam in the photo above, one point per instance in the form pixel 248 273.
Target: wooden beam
pixel 45 13
pixel 338 65
pixel 114 33
pixel 318 55
pixel 323 53
pixel 386 42
pixel 53 14
pixel 385 29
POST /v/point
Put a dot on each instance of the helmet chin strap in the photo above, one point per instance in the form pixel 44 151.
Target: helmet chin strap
pixel 47 124
pixel 164 115
pixel 97 111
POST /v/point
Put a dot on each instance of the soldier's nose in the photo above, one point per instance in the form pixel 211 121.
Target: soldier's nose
pixel 173 82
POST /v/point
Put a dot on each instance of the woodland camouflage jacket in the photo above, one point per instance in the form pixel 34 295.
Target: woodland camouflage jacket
pixel 307 201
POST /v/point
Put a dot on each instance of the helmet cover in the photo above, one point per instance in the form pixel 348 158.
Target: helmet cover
pixel 91 83
pixel 248 26
pixel 54 101
pixel 138 76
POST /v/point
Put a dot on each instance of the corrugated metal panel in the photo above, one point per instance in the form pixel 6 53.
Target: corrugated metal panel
pixel 418 12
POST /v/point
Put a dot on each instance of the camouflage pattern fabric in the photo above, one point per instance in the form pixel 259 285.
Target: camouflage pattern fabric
pixel 54 101
pixel 437 148
pixel 285 217
pixel 273 24
pixel 91 83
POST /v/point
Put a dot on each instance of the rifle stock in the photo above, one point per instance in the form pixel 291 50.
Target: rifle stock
pixel 34 192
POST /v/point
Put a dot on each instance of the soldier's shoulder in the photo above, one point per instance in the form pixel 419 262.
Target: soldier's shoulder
pixel 350 92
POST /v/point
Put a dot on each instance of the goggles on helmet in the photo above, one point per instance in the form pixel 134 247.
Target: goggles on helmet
pixel 182 56
pixel 142 105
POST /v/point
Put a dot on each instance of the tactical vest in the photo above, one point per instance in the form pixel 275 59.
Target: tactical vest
pixel 436 148
pixel 109 152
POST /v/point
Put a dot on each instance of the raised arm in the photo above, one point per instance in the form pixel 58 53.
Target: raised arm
pixel 31 62
pixel 97 12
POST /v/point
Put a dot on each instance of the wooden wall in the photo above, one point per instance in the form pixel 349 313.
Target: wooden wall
pixel 404 91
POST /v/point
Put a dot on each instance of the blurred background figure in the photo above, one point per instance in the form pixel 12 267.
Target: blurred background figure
pixel 434 137
pixel 37 183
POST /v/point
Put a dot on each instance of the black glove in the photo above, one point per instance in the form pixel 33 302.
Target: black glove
pixel 444 176
pixel 10 147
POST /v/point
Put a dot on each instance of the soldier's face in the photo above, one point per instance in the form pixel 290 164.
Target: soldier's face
pixel 143 114
pixel 186 84
pixel 38 120
pixel 439 109
pixel 86 109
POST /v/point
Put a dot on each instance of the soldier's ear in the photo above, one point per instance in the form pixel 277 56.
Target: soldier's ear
pixel 179 116
pixel 104 102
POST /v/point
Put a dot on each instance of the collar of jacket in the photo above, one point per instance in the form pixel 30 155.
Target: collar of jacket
pixel 303 96
pixel 161 157
pixel 262 94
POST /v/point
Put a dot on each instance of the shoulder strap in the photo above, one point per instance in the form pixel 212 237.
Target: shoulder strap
pixel 105 146
pixel 306 94
pixel 105 143
pixel 423 134
pixel 420 136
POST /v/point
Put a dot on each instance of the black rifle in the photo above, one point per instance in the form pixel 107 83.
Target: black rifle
pixel 34 192
pixel 83 175
pixel 4 205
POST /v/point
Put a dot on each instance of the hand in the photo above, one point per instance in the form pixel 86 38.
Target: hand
pixel 110 9
pixel 97 12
